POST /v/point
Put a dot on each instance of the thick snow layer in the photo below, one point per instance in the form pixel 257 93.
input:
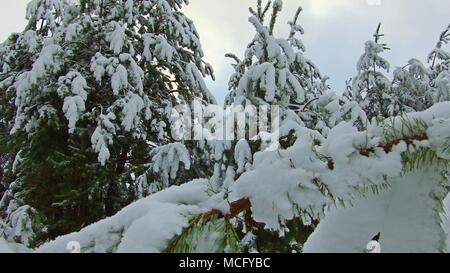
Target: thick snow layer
pixel 242 155
pixel 405 215
pixel 277 183
pixel 144 226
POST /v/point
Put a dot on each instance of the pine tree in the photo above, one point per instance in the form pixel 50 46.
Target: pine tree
pixel 93 84
pixel 270 80
pixel 371 88
pixel 274 71
pixel 417 87
pixel 411 88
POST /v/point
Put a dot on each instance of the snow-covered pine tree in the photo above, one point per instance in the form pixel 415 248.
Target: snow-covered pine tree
pixel 371 88
pixel 329 110
pixel 21 223
pixel 93 83
pixel 411 88
pixel 279 66
pixel 274 71
pixel 417 87
pixel 265 75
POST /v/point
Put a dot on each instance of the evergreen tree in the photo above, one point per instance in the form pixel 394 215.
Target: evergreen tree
pixel 93 83
pixel 368 175
pixel 371 88
pixel 411 88
pixel 273 72
pixel 417 87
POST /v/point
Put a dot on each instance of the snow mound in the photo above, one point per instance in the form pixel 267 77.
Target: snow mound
pixel 404 214
pixel 144 226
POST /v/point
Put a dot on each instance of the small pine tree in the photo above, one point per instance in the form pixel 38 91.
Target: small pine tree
pixel 371 88
pixel 274 71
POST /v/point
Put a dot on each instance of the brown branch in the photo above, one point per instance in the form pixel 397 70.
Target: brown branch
pixel 239 206
pixel 309 103
pixel 387 147
pixel 236 208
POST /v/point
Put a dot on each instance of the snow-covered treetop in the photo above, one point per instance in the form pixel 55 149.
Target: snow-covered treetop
pixel 371 88
pixel 274 70
pixel 153 26
pixel 411 87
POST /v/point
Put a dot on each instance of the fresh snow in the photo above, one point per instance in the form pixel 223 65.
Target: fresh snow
pixel 117 37
pixel 282 183
pixel 405 215
pixel 144 226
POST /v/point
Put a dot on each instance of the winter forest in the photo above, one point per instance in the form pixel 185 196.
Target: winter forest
pixel 110 140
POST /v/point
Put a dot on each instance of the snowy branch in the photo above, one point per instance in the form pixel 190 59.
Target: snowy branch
pixel 244 204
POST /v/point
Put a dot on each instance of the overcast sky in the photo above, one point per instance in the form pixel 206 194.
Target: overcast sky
pixel 335 31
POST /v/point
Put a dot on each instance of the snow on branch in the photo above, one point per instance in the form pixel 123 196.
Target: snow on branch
pixel 435 136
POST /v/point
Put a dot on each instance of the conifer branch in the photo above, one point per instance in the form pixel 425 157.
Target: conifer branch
pixel 244 204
